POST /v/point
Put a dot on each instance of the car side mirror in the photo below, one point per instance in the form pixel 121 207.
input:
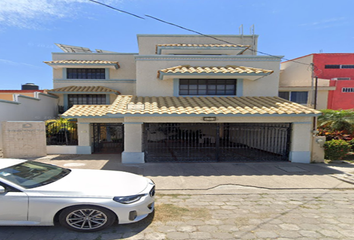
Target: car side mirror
pixel 2 189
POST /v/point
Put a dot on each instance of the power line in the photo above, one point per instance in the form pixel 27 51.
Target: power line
pixel 191 30
pixel 119 10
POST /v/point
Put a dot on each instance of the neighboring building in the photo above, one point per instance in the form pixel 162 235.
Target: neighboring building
pixel 182 98
pixel 335 74
pixel 28 104
pixel 28 89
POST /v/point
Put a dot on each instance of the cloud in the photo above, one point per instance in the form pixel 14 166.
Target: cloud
pixel 325 23
pixel 12 63
pixel 32 13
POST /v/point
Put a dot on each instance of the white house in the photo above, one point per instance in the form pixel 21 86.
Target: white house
pixel 182 98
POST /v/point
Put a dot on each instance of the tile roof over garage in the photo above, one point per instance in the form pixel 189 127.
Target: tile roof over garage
pixel 84 89
pixel 127 104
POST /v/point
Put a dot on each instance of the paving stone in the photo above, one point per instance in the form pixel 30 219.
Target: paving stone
pixel 330 233
pixel 177 235
pixel 222 235
pixel 266 234
pixel 291 227
pixel 155 236
pixel 188 229
pixel 309 234
pixel 200 235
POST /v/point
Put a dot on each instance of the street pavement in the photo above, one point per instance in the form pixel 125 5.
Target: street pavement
pixel 277 200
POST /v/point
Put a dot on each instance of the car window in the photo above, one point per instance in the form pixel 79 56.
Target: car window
pixel 33 174
pixel 9 188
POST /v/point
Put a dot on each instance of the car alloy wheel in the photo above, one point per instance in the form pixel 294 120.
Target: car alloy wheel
pixel 86 218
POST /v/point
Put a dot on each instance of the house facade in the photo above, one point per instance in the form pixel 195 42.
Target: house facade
pixel 182 98
pixel 335 85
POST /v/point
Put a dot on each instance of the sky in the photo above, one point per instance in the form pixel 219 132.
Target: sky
pixel 29 29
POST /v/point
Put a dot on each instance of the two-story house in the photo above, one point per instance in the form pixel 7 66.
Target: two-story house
pixel 328 84
pixel 182 98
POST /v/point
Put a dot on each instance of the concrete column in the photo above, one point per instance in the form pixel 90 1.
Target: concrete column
pixel 133 138
pixel 301 142
pixel 84 136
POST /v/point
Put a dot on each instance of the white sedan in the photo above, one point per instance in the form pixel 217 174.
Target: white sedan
pixel 34 193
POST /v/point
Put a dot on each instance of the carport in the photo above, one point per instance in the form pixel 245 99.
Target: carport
pixel 216 142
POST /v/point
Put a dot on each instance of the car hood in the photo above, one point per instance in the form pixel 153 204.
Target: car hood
pixel 100 183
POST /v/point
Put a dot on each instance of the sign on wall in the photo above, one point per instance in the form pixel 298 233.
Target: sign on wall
pixel 23 139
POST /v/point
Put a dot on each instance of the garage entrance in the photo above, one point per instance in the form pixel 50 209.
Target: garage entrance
pixel 108 137
pixel 211 142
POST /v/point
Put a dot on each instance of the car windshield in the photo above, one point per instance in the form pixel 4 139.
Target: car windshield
pixel 33 174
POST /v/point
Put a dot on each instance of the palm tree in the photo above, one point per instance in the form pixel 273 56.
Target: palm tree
pixel 337 120
pixel 60 126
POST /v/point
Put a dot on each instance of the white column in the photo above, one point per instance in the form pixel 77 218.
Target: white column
pixel 133 138
pixel 301 142
pixel 83 131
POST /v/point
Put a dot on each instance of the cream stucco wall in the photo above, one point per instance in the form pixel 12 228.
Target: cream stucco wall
pixel 149 85
pixel 296 76
pixel 122 79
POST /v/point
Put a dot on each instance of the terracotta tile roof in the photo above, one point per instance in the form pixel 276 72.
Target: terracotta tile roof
pixel 82 62
pixel 201 45
pixel 183 69
pixel 83 89
pixel 127 104
pixel 88 110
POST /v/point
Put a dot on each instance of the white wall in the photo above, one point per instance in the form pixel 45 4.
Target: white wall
pixel 40 108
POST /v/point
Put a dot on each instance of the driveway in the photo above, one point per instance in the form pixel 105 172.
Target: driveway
pixel 221 177
pixel 224 201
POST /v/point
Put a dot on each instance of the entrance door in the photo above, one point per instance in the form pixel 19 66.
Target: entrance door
pixel 108 138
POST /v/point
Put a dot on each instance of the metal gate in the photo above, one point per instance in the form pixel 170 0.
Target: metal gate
pixel 211 142
pixel 108 137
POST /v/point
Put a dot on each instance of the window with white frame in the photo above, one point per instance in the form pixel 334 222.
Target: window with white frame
pixel 347 89
pixel 295 96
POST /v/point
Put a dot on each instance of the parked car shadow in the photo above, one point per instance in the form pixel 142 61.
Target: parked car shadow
pixel 58 232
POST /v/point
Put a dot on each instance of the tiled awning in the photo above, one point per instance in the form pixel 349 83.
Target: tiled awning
pixel 249 73
pixel 84 89
pixel 93 63
pixel 162 106
pixel 236 48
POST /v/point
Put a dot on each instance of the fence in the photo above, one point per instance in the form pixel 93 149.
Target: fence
pixel 61 133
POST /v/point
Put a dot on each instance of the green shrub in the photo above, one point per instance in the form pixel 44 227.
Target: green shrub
pixel 351 143
pixel 336 149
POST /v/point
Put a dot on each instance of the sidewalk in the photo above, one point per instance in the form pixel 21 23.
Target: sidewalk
pixel 224 177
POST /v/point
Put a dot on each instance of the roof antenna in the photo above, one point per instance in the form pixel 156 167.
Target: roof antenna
pixel 253 38
pixel 240 31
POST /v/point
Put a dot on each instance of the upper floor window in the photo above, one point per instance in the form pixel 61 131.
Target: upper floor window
pixel 298 97
pixel 331 66
pixel 86 99
pixel 207 86
pixel 85 73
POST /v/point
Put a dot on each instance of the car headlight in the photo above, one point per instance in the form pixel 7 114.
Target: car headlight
pixel 129 199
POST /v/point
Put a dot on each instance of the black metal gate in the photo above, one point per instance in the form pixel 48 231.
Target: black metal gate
pixel 108 137
pixel 210 142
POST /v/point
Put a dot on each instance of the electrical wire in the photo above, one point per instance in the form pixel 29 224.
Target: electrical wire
pixel 196 32
pixel 119 10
